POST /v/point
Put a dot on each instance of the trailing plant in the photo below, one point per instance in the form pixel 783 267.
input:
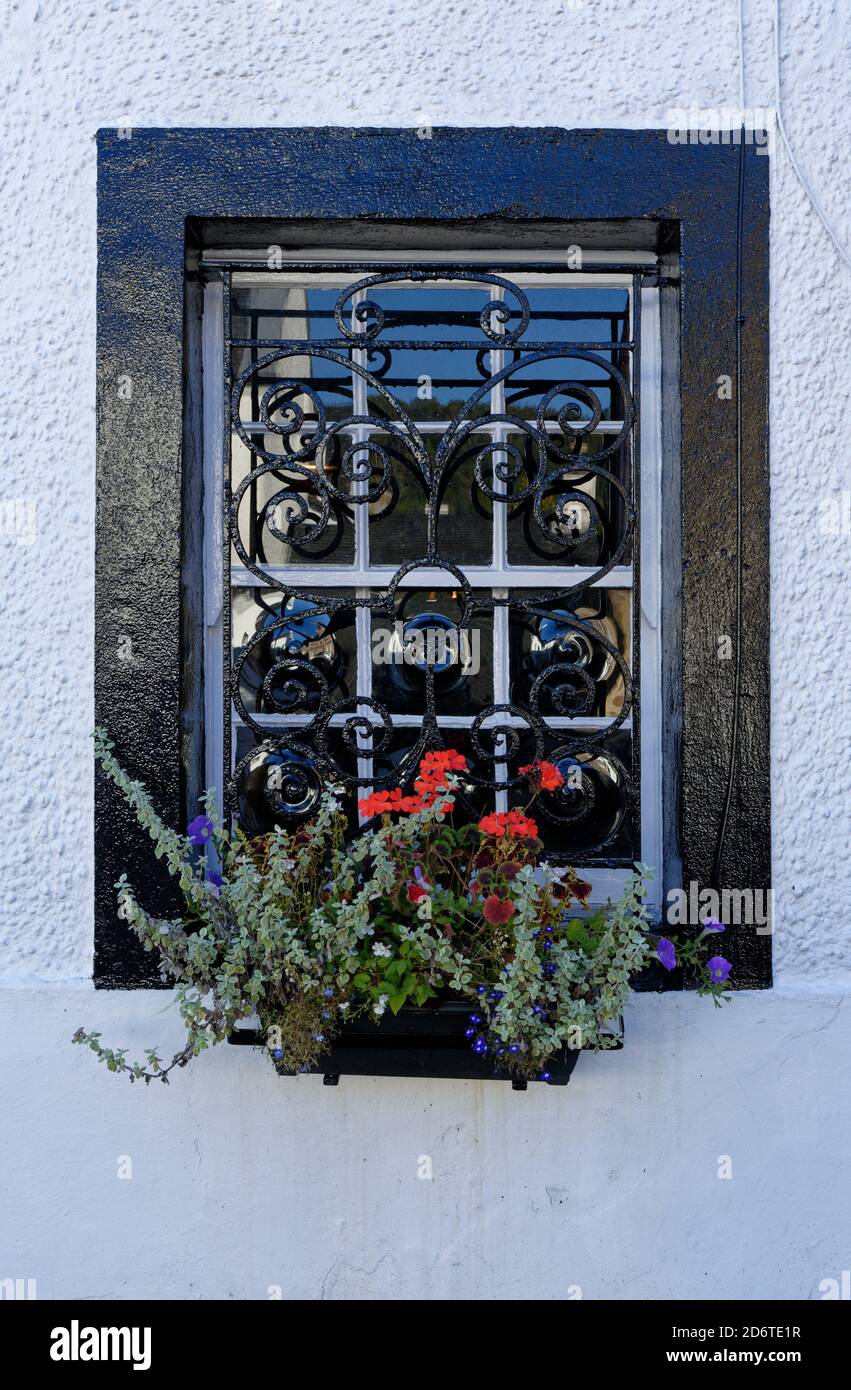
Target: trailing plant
pixel 304 929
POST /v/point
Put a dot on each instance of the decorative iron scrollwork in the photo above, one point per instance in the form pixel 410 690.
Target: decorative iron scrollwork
pixel 331 446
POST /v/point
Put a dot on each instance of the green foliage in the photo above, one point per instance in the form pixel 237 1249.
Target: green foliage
pixel 306 931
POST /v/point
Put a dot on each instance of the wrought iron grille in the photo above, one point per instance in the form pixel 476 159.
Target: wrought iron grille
pixel 431 478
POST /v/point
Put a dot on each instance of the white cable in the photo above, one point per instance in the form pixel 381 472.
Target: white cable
pixel 802 178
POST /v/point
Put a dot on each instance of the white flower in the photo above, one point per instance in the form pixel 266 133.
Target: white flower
pixel 344 1006
pixel 379 1008
pixel 379 950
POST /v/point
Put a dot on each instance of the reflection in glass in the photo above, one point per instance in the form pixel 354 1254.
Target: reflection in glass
pixel 426 635
pixel 561 662
pixel 303 654
pixel 284 515
pixel 590 813
pixel 398 528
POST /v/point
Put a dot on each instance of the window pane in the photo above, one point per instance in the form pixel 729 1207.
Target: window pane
pixel 571 663
pixel 562 316
pixel 398 521
pixel 423 640
pixel 279 781
pixel 431 383
pixel 282 311
pixel 590 816
pixel 475 796
pixel 298 515
pixel 581 515
pixel 292 656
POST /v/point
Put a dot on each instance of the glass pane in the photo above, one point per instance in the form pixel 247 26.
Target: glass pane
pixel 591 815
pixel 424 635
pixel 400 761
pixel 290 516
pixel 431 382
pixel 292 656
pixel 562 316
pixel 297 312
pixel 398 520
pixel 580 516
pixel 279 780
pixel 570 663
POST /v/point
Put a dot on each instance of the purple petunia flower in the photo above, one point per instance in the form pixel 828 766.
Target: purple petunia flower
pixel 712 924
pixel 719 969
pixel 666 952
pixel 215 881
pixel 199 830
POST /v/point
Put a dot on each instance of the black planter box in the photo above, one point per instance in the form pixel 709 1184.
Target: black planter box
pixel 427 1042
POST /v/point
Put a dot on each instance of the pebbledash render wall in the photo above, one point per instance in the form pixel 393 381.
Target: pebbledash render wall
pixel 247 1186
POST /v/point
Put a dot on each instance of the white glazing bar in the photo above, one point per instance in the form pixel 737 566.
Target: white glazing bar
pixel 441 426
pixel 363 616
pixel 215 595
pixel 650 596
pixel 480 577
pixel 447 721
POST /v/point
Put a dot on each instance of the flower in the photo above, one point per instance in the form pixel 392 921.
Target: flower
pixel 378 1009
pixel 712 924
pixel 415 892
pixel 497 910
pixel 379 950
pixel 429 786
pixel 215 879
pixel 199 830
pixel 509 823
pixel 666 952
pixel 719 969
pixel 546 775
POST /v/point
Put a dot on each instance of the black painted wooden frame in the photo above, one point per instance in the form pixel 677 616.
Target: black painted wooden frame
pixel 163 194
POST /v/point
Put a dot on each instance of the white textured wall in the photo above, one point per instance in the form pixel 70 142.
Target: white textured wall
pixel 241 1180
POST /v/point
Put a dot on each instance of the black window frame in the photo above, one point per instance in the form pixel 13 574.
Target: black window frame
pixel 163 195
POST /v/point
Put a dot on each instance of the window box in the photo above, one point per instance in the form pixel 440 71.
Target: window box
pixel 426 1042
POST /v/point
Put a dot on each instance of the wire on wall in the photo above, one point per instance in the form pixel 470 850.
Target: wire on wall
pixel 802 178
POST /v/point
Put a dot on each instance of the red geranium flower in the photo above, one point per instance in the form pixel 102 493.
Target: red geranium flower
pixel 546 775
pixel 429 787
pixel 511 823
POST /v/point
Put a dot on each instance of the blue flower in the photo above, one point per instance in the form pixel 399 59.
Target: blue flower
pixel 215 879
pixel 666 952
pixel 199 830
pixel 712 924
pixel 719 969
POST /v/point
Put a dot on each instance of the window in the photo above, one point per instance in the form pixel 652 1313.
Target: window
pixel 674 242
pixel 436 479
